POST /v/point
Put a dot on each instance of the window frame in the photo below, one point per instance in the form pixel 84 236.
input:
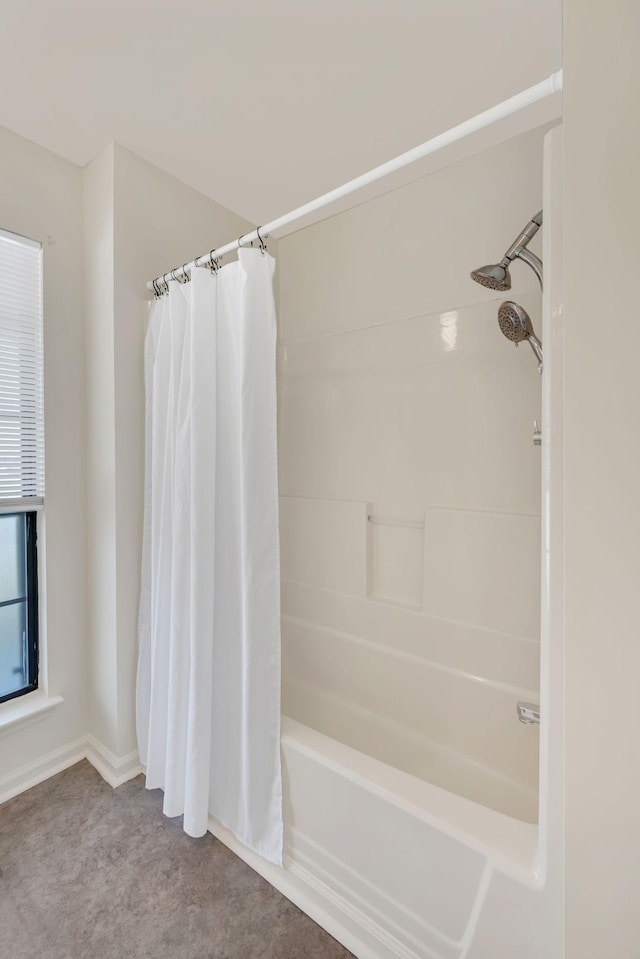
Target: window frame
pixel 33 631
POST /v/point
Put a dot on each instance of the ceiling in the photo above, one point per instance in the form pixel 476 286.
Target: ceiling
pixel 264 105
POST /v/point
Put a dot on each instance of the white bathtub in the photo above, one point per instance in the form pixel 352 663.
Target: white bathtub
pixel 411 789
pixel 410 786
pixel 393 866
pixel 408 860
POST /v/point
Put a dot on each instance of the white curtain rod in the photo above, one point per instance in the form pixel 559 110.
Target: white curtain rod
pixel 520 101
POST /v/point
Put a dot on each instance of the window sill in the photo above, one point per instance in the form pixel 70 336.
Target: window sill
pixel 17 713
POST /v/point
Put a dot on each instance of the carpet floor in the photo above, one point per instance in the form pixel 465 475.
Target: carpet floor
pixel 90 872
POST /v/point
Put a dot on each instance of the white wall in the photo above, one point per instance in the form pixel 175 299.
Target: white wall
pixel 100 465
pixel 602 253
pixel 140 222
pixel 41 197
pixel 135 221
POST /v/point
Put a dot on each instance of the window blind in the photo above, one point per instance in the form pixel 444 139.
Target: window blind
pixel 21 364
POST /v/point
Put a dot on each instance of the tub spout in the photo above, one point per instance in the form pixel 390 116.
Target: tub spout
pixel 529 714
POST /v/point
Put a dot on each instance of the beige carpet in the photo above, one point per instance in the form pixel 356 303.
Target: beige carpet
pixel 89 872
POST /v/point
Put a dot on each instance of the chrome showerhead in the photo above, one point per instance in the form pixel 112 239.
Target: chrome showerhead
pixel 516 325
pixel 495 276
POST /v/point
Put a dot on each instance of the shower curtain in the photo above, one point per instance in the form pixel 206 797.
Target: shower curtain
pixel 208 685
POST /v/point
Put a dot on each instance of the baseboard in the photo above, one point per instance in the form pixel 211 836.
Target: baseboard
pixel 40 769
pixel 113 769
pixel 335 915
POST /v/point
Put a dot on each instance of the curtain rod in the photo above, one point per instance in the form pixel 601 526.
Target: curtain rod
pixel 520 101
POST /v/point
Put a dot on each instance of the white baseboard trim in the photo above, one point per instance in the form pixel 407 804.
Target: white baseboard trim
pixel 40 769
pixel 113 769
pixel 335 915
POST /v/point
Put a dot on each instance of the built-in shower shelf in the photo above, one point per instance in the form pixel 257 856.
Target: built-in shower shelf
pixel 395 561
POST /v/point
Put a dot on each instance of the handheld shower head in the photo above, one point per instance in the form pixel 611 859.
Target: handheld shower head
pixel 495 276
pixel 514 321
pixel 516 325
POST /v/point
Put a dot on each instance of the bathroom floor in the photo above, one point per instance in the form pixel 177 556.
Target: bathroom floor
pixel 88 871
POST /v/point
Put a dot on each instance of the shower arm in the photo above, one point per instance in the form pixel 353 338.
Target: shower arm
pixel 533 261
pixel 519 247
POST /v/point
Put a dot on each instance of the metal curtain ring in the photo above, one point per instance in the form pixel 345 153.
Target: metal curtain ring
pixel 263 245
pixel 185 276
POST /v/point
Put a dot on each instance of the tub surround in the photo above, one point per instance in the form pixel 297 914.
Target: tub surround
pixel 419 817
pixel 410 484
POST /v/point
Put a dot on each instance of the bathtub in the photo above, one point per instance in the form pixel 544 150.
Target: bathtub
pixel 411 792
pixel 392 866
pixel 410 788
pixel 411 860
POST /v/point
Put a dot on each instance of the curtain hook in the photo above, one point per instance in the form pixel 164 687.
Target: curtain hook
pixel 213 263
pixel 263 245
pixel 186 278
pixel 166 282
pixel 177 278
pixel 155 289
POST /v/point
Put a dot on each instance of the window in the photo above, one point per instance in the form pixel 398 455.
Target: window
pixel 19 605
pixel 21 460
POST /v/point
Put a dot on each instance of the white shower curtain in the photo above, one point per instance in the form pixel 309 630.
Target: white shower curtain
pixel 208 690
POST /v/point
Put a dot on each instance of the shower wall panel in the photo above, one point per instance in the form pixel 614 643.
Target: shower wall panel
pixel 410 485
